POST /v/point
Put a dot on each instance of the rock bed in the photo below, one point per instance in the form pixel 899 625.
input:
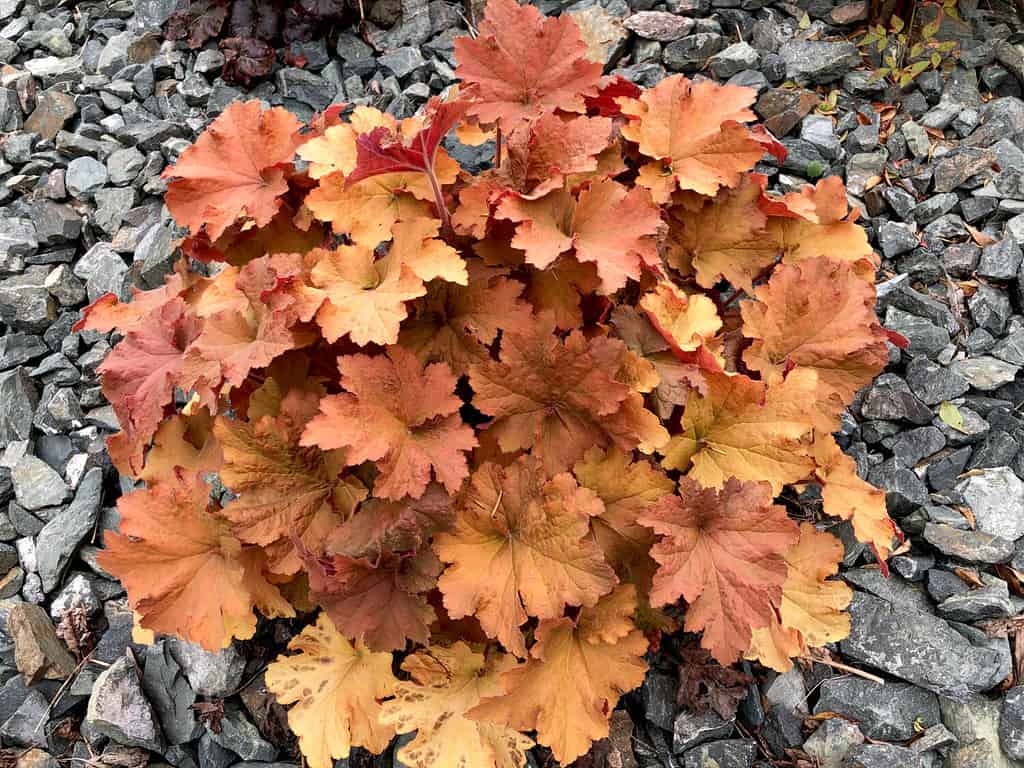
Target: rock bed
pixel 94 104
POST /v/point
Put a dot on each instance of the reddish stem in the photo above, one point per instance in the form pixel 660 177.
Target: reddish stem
pixel 442 208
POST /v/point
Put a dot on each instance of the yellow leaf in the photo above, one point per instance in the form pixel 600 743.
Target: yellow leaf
pixel 688 319
pixel 951 416
pixel 741 430
pixel 336 689
pixel 846 496
pixel 446 683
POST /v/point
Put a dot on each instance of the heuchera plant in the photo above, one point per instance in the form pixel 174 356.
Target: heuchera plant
pixel 491 425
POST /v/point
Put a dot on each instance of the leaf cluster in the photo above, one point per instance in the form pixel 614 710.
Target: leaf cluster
pixel 252 29
pixel 491 425
pixel 907 49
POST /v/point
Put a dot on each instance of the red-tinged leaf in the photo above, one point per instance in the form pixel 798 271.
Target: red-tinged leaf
pixel 722 552
pixel 382 151
pixel 522 64
pixel 246 58
pixel 705 684
pixel 898 339
pixel 606 102
pixel 108 313
pixel 560 398
pixel 539 155
pixel 199 22
pixel 399 414
pixel 140 374
pixel 402 527
pixel 377 603
pixel 238 342
pixel 234 170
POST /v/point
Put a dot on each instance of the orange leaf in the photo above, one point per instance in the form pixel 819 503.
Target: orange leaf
pixel 724 237
pixel 560 398
pixel 108 313
pixel 183 572
pixel 609 224
pixel 812 605
pixel 284 492
pixel 695 129
pixel 522 64
pixel 400 415
pixel 742 430
pixel 676 378
pixel 234 170
pixel 559 288
pixel 366 296
pixel 141 373
pixel 403 526
pixel 722 552
pixel 845 346
pixel 416 245
pixel 627 489
pixel 530 536
pixel 817 222
pixel 367 211
pixel 242 243
pixel 576 673
pixel 686 321
pixel 846 496
pixel 184 441
pixel 542 153
pixel 239 341
pixel 453 324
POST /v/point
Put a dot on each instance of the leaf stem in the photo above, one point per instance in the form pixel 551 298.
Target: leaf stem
pixel 442 208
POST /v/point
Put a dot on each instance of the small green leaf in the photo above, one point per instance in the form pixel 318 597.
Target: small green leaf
pixel 890 60
pixel 931 29
pixel 936 60
pixel 882 44
pixel 916 50
pixel 951 416
pixel 879 74
pixel 906 79
pixel 805 21
pixel 947 46
pixel 918 67
pixel 815 168
pixel 896 23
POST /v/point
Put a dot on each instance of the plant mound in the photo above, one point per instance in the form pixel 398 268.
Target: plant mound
pixel 501 430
